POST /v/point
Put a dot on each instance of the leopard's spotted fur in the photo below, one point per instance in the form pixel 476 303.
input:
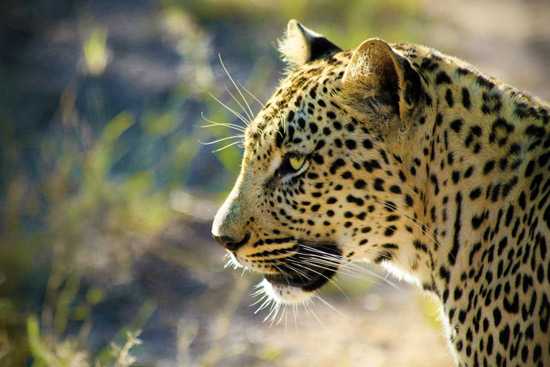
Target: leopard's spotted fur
pixel 413 159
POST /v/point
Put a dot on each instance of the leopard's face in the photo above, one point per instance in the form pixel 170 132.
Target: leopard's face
pixel 319 185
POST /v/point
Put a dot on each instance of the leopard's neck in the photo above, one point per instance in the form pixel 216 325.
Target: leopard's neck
pixel 486 171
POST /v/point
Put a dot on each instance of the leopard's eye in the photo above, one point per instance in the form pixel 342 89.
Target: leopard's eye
pixel 296 162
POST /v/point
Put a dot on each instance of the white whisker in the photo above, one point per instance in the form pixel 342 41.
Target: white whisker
pixel 225 147
pixel 294 312
pixel 238 115
pixel 262 105
pixel 260 299
pixel 212 123
pixel 248 116
pixel 326 303
pixel 330 280
pixel 236 87
pixel 265 304
pixel 345 268
pixel 310 311
pixel 240 136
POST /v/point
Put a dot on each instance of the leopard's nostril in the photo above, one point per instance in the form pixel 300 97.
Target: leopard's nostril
pixel 230 243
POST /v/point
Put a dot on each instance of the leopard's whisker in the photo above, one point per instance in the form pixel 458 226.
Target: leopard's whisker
pixel 268 304
pixel 293 269
pixel 265 304
pixel 226 146
pixel 285 273
pixel 260 299
pixel 281 314
pixel 329 305
pixel 235 113
pixel 294 312
pixel 246 113
pixel 377 276
pixel 353 273
pixel 251 114
pixel 212 123
pixel 285 313
pixel 271 316
pixel 322 267
pixel 222 125
pixel 240 136
pixel 314 314
pixel 329 279
pixel 355 268
pixel 349 269
pixel 262 104
pixel 330 262
pixel 258 292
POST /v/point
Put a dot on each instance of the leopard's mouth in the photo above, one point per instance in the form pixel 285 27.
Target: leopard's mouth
pixel 310 268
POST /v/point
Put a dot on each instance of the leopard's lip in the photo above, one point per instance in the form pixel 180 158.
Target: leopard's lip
pixel 307 269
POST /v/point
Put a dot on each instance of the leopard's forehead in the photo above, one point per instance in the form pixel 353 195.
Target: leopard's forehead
pixel 297 106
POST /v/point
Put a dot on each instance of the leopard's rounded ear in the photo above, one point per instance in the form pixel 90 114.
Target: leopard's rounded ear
pixel 377 75
pixel 301 45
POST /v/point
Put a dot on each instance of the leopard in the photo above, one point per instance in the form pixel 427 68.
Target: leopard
pixel 399 155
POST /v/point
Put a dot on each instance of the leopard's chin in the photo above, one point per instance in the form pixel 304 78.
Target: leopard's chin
pixel 284 294
pixel 302 274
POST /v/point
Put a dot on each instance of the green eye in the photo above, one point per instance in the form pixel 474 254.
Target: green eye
pixel 297 162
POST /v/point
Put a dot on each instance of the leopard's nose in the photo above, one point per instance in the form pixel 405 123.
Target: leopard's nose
pixel 230 243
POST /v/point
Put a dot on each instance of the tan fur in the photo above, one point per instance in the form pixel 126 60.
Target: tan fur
pixel 415 160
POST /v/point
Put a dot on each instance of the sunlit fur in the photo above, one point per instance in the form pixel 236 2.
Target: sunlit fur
pixel 416 161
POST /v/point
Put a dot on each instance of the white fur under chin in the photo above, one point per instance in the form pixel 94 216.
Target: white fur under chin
pixel 400 274
pixel 284 294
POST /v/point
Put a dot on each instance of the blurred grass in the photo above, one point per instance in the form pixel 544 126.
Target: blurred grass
pixel 347 23
pixel 96 55
pixel 98 185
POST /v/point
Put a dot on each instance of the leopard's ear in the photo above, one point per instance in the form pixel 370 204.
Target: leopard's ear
pixel 377 75
pixel 301 45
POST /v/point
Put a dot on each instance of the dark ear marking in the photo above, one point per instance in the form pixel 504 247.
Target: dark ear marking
pixel 321 47
pixel 301 45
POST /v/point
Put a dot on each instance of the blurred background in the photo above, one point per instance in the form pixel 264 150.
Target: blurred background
pixel 106 194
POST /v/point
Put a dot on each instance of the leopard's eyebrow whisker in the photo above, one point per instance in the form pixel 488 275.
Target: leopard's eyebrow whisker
pixel 262 104
pixel 250 113
pixel 246 113
pixel 235 113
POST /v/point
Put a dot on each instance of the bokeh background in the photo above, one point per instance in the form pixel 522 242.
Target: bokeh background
pixel 106 194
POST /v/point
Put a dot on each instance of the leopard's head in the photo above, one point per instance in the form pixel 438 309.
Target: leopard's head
pixel 322 181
